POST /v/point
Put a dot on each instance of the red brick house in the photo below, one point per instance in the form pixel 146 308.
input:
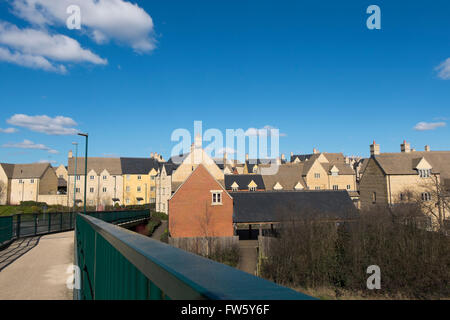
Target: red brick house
pixel 201 207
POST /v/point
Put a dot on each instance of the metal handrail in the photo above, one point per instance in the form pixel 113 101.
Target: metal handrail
pixel 176 273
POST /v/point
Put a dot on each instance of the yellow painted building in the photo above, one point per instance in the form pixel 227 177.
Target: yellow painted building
pixel 139 180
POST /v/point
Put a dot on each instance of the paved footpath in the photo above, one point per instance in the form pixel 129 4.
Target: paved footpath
pixel 40 273
pixel 160 230
pixel 248 256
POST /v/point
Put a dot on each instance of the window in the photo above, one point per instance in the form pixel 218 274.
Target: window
pixel 139 177
pixel 335 187
pixel 424 173
pixel 127 201
pixel 334 174
pixel 32 181
pixel 374 197
pixel 234 188
pixel 402 197
pixel 138 189
pixel 152 188
pixel 92 177
pixel 152 178
pixel 104 189
pixel 105 177
pixel 349 187
pixel 317 188
pixel 317 175
pixel 128 188
pixel 78 178
pixel 77 190
pixel 61 176
pixel 91 202
pixel 20 181
pixel 426 196
pixel 216 197
pixel 91 190
pixel 251 188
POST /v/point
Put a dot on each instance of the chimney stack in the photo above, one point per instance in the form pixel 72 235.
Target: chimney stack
pixel 283 157
pixel 374 149
pixel 246 157
pixel 151 155
pixel 70 154
pixel 315 151
pixel 427 148
pixel 405 147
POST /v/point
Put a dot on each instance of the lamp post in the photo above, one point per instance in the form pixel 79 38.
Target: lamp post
pixel 75 179
pixel 85 167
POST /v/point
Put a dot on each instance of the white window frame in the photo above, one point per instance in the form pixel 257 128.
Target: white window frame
pixel 216 197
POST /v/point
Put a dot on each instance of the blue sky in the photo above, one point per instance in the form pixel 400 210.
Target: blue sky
pixel 310 68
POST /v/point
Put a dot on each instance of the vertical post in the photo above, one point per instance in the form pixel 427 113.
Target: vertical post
pixel 35 223
pixel 85 168
pixel 49 221
pixel 75 177
pixel 61 221
pixel 18 226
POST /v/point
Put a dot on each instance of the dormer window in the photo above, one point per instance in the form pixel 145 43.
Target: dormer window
pixel 424 173
pixel 251 188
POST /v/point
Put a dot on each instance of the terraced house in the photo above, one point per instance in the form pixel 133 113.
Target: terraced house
pixel 27 182
pixel 139 176
pixel 104 181
pixel 409 175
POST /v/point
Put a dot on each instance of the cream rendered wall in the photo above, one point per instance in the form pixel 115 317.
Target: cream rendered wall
pixel 5 187
pixel 112 183
pixel 191 162
pixel 61 171
pixel 163 191
pixel 342 181
pixel 24 190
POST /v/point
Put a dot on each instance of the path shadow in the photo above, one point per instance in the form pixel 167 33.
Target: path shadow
pixel 17 249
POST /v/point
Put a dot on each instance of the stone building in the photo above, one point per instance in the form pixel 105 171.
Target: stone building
pixel 398 177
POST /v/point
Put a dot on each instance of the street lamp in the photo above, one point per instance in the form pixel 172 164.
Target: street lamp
pixel 85 167
pixel 75 179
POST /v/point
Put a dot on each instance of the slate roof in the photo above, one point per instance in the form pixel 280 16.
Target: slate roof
pixel 138 165
pixel 112 165
pixel 405 162
pixel 330 156
pixel 243 180
pixel 276 206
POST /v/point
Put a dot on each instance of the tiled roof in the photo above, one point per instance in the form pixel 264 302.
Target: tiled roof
pixel 27 171
pixel 112 165
pixel 405 162
pixel 288 175
pixel 8 168
pixel 276 206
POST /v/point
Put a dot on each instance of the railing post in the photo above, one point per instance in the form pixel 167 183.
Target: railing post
pixel 18 225
pixel 35 223
pixel 70 218
pixel 49 221
pixel 61 222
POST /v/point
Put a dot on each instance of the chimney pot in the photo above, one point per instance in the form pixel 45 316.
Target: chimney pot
pixel 405 147
pixel 70 154
pixel 246 156
pixel 427 148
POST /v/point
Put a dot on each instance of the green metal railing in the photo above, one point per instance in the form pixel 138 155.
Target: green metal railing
pixel 6 229
pixel 117 264
pixel 26 225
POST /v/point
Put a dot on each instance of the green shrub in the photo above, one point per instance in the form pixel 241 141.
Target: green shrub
pixel 160 215
pixel 165 236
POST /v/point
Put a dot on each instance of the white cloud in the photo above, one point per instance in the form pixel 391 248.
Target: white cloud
pixel 8 130
pixel 27 144
pixel 58 125
pixel 425 126
pixel 444 70
pixel 103 20
pixel 47 161
pixel 39 49
pixel 265 131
